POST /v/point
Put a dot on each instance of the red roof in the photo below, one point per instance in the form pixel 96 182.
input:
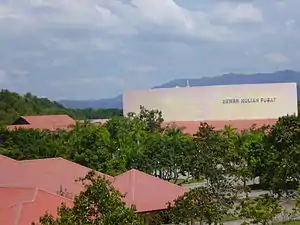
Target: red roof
pixel 49 122
pixel 48 174
pixel 62 172
pixel 191 127
pixel 146 192
pixel 22 206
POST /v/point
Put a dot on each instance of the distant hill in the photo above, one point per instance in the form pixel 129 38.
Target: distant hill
pixel 109 103
pixel 283 76
pixel 13 105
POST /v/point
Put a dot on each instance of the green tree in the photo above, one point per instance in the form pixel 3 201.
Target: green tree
pixel 244 151
pixel 281 159
pixel 209 158
pixel 90 146
pixel 260 210
pixel 165 155
pixel 201 205
pixel 152 118
pixel 98 204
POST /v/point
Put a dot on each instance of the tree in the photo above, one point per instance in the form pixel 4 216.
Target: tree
pixel 209 159
pixel 244 151
pixel 165 155
pixel 98 204
pixel 260 210
pixel 91 146
pixel 202 205
pixel 282 165
pixel 152 118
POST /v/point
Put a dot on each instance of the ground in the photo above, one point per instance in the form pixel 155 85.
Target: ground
pixel 296 222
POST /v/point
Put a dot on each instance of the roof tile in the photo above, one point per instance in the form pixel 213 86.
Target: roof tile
pixel 49 122
pixel 146 192
pixel 191 127
pixel 28 205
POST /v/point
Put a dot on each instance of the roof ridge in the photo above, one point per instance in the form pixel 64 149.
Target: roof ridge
pixel 35 194
pixel 153 177
pixel 35 160
pixel 132 184
pixel 18 212
pixel 67 161
pixel 21 202
pixel 6 157
pixel 46 115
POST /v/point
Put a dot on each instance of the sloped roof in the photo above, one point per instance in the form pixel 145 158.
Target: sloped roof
pixel 53 174
pixel 4 161
pixel 49 122
pixel 191 127
pixel 64 172
pixel 22 206
pixel 146 192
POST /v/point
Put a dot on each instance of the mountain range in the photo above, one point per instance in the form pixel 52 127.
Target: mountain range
pixel 283 76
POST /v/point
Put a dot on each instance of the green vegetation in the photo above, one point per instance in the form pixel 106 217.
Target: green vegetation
pixel 225 159
pixel 13 105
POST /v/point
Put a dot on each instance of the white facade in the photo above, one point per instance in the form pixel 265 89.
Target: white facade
pixel 230 102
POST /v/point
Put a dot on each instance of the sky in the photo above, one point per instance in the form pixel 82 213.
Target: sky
pixel 93 49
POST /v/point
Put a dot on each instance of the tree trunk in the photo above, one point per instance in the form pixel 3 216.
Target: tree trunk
pixel 193 222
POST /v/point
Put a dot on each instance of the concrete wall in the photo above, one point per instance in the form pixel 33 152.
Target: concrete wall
pixel 231 102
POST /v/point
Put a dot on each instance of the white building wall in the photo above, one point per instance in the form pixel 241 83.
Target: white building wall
pixel 230 102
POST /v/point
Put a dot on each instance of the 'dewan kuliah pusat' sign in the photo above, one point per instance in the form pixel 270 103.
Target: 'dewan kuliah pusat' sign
pixel 248 100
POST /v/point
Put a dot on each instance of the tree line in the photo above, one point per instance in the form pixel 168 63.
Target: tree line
pixel 140 141
pixel 13 105
pixel 226 159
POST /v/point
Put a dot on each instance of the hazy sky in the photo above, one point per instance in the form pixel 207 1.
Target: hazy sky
pixel 91 49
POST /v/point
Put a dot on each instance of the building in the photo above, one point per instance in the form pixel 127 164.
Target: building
pixel 238 105
pixel 33 187
pixel 147 193
pixel 43 122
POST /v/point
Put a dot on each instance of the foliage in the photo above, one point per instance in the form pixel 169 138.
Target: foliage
pixel 13 105
pixel 98 204
pixel 170 160
pixel 260 210
pixel 282 164
pixel 226 159
pixel 210 158
pixel 202 205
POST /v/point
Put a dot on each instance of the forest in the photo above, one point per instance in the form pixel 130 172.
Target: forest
pixel 226 159
pixel 13 105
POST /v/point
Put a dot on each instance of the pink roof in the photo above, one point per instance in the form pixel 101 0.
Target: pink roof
pixel 48 174
pixel 146 192
pixel 191 127
pixel 6 161
pixel 22 206
pixel 62 171
pixel 50 122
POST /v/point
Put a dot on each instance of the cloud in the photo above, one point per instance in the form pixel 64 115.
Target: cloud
pixel 143 68
pixel 116 17
pixel 277 58
pixel 3 76
pixel 97 48
pixel 12 79
pixel 237 12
